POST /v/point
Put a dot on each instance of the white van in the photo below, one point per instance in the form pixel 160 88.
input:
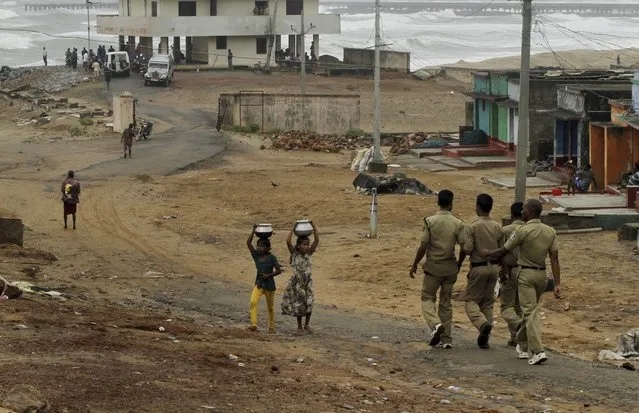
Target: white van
pixel 160 70
pixel 119 63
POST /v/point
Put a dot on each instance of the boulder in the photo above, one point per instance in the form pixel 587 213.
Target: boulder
pixel 11 231
pixel 25 399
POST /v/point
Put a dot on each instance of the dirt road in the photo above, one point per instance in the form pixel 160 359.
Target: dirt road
pixel 127 271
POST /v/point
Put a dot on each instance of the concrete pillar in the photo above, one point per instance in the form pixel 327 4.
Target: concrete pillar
pixel 316 45
pixel 300 51
pixel 123 111
pixel 146 46
pixel 189 49
pixel 121 43
pixel 176 49
pixel 292 41
pixel 131 48
pixel 163 48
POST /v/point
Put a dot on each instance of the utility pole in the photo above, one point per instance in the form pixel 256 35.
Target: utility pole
pixel 303 54
pixel 302 57
pixel 89 3
pixel 524 104
pixel 271 38
pixel 376 164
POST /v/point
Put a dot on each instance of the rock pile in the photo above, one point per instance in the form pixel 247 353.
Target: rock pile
pixel 49 80
pixel 303 141
pixel 421 139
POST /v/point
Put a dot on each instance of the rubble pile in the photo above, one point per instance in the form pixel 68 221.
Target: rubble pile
pixel 304 141
pixel 419 139
pixel 49 80
pixel 397 183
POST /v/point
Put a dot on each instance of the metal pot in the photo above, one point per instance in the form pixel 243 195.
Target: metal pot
pixel 303 228
pixel 264 230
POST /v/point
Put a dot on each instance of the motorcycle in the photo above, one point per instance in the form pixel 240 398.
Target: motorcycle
pixel 138 64
pixel 144 131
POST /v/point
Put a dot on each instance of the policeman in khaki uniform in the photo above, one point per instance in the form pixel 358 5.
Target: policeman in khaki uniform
pixel 484 233
pixel 442 232
pixel 536 241
pixel 510 308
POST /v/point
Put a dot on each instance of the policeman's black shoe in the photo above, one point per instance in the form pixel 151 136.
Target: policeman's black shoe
pixel 436 334
pixel 484 335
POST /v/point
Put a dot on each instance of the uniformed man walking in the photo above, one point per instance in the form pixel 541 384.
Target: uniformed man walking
pixel 442 232
pixel 536 241
pixel 484 233
pixel 510 308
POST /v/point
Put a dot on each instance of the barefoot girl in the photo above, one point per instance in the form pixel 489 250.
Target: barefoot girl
pixel 298 296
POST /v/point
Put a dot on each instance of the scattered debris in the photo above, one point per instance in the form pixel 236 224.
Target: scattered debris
pixel 362 158
pixel 303 141
pixel 275 369
pixel 34 289
pixel 299 360
pixel 397 183
pixel 420 140
pixel 233 357
pixel 169 217
pixel 162 328
pixel 627 347
pixel 629 366
pixel 347 407
pixel 445 401
pixel 240 364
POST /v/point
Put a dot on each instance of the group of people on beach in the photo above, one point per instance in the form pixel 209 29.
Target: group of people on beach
pixel 299 296
pixel 94 62
pixel 514 256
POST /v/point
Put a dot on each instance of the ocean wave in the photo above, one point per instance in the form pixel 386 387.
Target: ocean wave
pixel 7 14
pixel 13 41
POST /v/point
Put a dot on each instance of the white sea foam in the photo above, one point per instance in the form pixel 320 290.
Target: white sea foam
pixel 7 14
pixel 13 41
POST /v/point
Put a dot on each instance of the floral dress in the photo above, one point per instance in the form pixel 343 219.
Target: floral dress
pixel 298 296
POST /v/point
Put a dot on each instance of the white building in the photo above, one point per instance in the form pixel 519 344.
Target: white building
pixel 211 27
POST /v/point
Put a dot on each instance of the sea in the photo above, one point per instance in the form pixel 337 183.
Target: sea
pixel 433 38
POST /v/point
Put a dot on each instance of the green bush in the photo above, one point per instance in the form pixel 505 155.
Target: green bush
pixel 252 128
pixel 75 131
pixel 85 121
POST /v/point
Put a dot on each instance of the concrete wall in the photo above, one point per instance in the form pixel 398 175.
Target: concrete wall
pixel 482 115
pixel 389 60
pixel 325 114
pixel 513 90
pixel 570 100
pixel 503 123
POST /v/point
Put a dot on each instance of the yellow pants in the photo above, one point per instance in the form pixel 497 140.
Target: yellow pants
pixel 255 300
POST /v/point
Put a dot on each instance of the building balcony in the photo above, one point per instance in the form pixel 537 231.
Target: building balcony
pixel 217 25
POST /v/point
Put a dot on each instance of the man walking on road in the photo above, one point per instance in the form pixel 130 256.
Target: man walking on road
pixel 230 59
pixel 127 139
pixel 45 56
pixel 70 196
pixel 484 233
pixel 510 308
pixel 442 232
pixel 107 76
pixel 536 241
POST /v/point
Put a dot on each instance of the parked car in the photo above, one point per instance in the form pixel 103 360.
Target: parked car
pixel 119 63
pixel 160 70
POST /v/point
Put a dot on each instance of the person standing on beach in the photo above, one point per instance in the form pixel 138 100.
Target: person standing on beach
pixel 70 196
pixel 127 139
pixel 67 57
pixel 74 59
pixel 230 59
pixel 442 232
pixel 44 56
pixel 484 233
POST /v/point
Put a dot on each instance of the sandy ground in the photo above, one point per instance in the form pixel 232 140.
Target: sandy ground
pixel 127 271
pixel 571 59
